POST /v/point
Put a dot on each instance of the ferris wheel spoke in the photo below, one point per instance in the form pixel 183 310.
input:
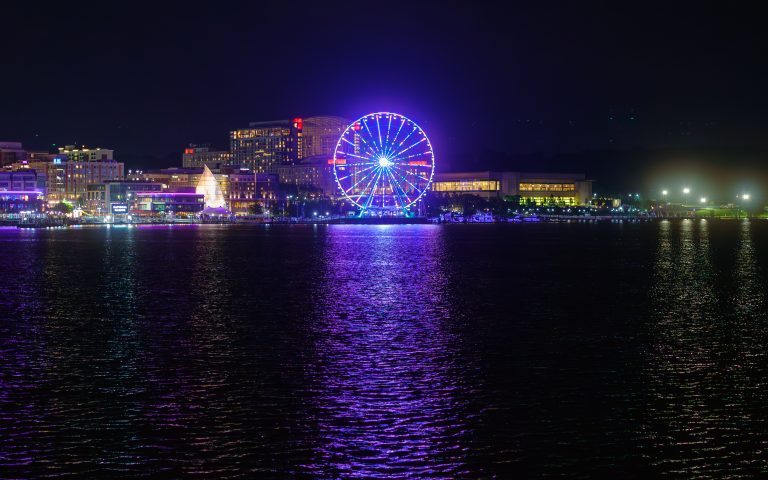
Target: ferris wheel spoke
pixel 416 140
pixel 371 183
pixel 365 142
pixel 392 188
pixel 371 136
pixel 423 139
pixel 353 155
pixel 357 164
pixel 346 140
pixel 359 182
pixel 356 172
pixel 389 127
pixel 406 180
pixel 397 134
pixel 372 196
pixel 400 159
pixel 402 192
pixel 405 139
pixel 378 127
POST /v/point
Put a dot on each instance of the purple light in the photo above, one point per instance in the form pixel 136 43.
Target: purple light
pixel 168 194
pixel 386 166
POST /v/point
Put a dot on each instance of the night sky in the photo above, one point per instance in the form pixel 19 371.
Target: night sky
pixel 549 85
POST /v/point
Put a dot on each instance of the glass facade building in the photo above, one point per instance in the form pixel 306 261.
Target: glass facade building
pixel 248 189
pixel 198 156
pixel 264 145
pixel 532 188
pixel 320 135
pixel 169 202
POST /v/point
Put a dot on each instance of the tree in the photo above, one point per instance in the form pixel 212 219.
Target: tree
pixel 62 207
pixel 256 209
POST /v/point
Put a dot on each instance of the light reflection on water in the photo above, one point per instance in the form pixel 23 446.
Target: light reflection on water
pixel 388 394
pixel 708 337
pixel 385 351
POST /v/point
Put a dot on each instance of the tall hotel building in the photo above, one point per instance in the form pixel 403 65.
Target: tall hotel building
pixel 198 156
pixel 320 135
pixel 264 145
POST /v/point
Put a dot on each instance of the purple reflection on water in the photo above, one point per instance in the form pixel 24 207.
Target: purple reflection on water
pixel 387 383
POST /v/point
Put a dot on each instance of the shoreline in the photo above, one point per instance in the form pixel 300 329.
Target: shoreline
pixel 368 221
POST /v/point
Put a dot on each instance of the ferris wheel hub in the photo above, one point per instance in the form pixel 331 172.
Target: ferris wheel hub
pixel 383 164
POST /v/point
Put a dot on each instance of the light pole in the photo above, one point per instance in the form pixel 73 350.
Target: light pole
pixel 745 198
pixel 686 191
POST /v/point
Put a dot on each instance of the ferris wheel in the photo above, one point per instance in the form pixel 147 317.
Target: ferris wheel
pixel 383 162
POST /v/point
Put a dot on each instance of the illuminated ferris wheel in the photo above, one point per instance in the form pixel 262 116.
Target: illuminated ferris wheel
pixel 383 162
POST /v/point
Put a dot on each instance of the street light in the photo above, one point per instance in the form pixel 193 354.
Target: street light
pixel 686 191
pixel 664 192
pixel 703 199
pixel 744 197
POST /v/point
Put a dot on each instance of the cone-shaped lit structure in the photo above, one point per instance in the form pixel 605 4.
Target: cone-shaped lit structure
pixel 208 186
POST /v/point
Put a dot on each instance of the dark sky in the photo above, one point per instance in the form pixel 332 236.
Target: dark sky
pixel 544 79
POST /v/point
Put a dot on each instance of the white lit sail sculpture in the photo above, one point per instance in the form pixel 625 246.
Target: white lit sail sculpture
pixel 208 186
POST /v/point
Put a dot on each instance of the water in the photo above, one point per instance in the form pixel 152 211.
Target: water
pixel 477 351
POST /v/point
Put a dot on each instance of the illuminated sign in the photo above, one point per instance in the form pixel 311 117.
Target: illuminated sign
pixel 119 208
pixel 297 123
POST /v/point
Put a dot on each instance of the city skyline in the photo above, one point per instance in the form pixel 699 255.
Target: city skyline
pixel 424 239
pixel 551 82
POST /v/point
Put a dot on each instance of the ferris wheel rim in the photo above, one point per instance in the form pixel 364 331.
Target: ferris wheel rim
pixel 365 202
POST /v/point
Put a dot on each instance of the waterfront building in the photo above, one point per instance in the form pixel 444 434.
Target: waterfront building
pixel 486 184
pixel 19 180
pixel 320 135
pixel 66 179
pixel 11 152
pixel 16 202
pixel 531 188
pixel 314 172
pixel 264 145
pixel 51 172
pixel 78 175
pixel 19 192
pixel 154 203
pixel 84 154
pixel 182 179
pixel 209 187
pixel 250 189
pixel 198 156
pixel 100 197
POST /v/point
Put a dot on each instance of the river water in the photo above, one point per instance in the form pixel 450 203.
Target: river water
pixel 454 351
